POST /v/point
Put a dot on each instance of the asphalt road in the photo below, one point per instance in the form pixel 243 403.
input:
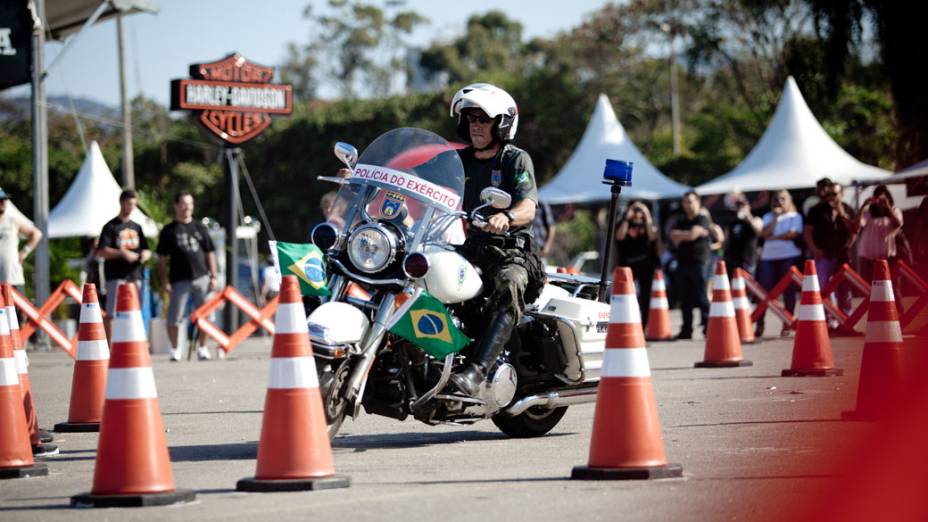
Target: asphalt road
pixel 747 439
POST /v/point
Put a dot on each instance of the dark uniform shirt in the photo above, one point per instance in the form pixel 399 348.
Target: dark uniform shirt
pixel 697 251
pixel 187 244
pixel 742 244
pixel 511 171
pixel 116 234
pixel 829 232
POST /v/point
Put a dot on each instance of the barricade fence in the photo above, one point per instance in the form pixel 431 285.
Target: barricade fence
pixel 40 318
pixel 260 318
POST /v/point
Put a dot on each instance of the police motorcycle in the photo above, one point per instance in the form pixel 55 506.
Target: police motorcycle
pixel 391 233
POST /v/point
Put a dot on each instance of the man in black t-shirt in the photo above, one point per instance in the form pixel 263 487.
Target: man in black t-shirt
pixel 829 232
pixel 192 270
pixel 124 249
pixel 690 235
pixel 636 248
pixel 743 231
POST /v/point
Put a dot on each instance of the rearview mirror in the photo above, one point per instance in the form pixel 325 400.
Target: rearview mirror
pixel 347 153
pixel 495 197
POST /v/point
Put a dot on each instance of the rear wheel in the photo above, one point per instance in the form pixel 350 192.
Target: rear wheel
pixel 533 422
pixel 333 385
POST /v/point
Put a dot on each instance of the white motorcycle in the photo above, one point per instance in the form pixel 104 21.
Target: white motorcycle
pixel 391 235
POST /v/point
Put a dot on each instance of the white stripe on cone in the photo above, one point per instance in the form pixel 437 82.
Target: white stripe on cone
pixel 810 284
pixel 4 325
pixel 626 362
pixel 93 350
pixel 720 283
pixel 737 283
pixel 90 313
pixel 659 303
pixel 291 318
pixel 8 376
pixel 723 309
pixel 624 310
pixel 811 312
pixel 11 317
pixel 292 372
pixel 883 332
pixel 741 303
pixel 128 327
pixel 658 284
pixel 881 291
pixel 22 361
pixel 130 383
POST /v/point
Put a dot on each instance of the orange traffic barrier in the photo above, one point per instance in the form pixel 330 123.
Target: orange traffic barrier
pixel 39 318
pixel 739 298
pixel 16 459
pixel 769 299
pixel 658 311
pixel 881 369
pixel 260 318
pixel 88 382
pixel 39 449
pixel 133 468
pixel 723 343
pixel 811 347
pixel 846 274
pixel 294 453
pixel 626 443
pixel 914 319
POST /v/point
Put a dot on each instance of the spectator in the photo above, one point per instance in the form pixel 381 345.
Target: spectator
pixel 829 233
pixel 716 240
pixel 543 230
pixel 193 268
pixel 12 227
pixel 820 187
pixel 878 223
pixel 782 225
pixel 690 235
pixel 124 249
pixel 636 248
pixel 743 231
pixel 270 281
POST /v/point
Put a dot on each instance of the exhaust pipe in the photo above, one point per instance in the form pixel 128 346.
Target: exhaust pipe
pixel 553 399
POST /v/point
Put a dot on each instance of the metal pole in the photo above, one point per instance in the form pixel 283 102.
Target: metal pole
pixel 607 248
pixel 674 97
pixel 128 170
pixel 40 156
pixel 231 223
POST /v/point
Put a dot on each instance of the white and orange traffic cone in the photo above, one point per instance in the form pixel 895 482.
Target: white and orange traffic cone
pixel 626 443
pixel 882 375
pixel 811 347
pixel 658 311
pixel 294 453
pixel 16 459
pixel 739 299
pixel 133 468
pixel 39 448
pixel 88 383
pixel 723 343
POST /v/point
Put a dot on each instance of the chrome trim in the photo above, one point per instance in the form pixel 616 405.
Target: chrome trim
pixel 392 240
pixel 369 345
pixel 442 381
pixel 553 399
pixel 363 279
pixel 329 351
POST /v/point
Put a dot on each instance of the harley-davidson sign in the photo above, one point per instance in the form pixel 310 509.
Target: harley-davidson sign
pixel 233 98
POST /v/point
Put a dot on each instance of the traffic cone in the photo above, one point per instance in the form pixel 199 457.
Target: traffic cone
pixel 294 453
pixel 881 369
pixel 739 299
pixel 811 347
pixel 723 343
pixel 658 311
pixel 39 449
pixel 133 468
pixel 626 443
pixel 88 383
pixel 16 459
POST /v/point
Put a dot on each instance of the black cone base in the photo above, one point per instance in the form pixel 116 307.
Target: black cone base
pixel 820 372
pixel 647 473
pixel 36 470
pixel 89 500
pixel 44 450
pixel 723 364
pixel 77 427
pixel 45 436
pixel 310 484
pixel 664 340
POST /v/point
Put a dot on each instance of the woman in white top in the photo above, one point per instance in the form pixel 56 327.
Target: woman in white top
pixel 782 225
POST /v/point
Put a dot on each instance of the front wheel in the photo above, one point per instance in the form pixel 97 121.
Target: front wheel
pixel 333 385
pixel 533 422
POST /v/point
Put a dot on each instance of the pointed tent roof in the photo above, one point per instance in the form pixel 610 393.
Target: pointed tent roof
pixel 580 179
pixel 794 152
pixel 91 201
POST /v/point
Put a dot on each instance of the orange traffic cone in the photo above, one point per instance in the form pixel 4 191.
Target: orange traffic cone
pixel 811 348
pixel 626 442
pixel 88 384
pixel 39 449
pixel 133 468
pixel 658 311
pixel 881 370
pixel 294 453
pixel 15 449
pixel 723 344
pixel 739 299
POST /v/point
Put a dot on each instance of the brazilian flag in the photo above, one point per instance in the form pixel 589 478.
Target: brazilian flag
pixel 425 322
pixel 304 260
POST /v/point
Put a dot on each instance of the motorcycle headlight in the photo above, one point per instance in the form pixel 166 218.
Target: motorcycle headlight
pixel 371 248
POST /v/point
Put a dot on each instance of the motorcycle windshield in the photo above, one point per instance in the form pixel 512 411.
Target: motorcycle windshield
pixel 410 177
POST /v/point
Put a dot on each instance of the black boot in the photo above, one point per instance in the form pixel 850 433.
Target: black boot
pixel 491 345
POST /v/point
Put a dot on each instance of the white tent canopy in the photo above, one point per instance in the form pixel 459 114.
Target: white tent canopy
pixel 794 152
pixel 580 180
pixel 91 201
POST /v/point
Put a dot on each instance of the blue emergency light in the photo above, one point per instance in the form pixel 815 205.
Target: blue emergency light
pixel 618 172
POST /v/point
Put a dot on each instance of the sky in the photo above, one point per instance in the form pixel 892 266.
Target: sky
pixel 160 47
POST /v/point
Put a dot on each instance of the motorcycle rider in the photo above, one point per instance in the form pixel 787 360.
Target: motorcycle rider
pixel 513 274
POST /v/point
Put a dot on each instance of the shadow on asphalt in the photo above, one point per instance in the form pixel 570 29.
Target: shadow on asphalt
pixel 478 481
pixel 743 423
pixel 207 452
pixel 416 440
pixel 42 507
pixel 211 412
pixel 776 477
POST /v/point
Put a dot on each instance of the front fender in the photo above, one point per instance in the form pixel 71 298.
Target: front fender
pixel 337 323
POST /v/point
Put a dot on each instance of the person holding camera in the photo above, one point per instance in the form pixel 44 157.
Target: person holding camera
pixel 781 226
pixel 636 248
pixel 879 222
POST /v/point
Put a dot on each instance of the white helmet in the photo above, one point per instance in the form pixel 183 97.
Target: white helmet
pixel 497 103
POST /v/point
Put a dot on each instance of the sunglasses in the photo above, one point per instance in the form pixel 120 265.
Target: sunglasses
pixel 482 119
pixel 830 194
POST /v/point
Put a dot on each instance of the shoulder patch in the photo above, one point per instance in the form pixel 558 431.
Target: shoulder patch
pixel 523 178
